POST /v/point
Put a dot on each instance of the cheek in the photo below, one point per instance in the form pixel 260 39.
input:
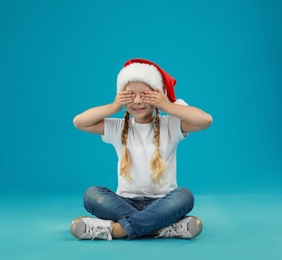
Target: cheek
pixel 151 108
pixel 128 107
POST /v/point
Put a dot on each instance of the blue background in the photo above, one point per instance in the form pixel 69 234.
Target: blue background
pixel 58 58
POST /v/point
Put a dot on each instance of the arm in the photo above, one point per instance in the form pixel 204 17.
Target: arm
pixel 92 120
pixel 192 118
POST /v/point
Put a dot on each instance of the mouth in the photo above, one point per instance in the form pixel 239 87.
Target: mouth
pixel 138 109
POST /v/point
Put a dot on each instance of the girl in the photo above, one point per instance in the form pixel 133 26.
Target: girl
pixel 148 200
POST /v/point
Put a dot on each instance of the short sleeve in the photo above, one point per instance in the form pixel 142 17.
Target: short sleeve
pixel 112 130
pixel 174 126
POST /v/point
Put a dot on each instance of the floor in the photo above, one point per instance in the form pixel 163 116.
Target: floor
pixel 245 226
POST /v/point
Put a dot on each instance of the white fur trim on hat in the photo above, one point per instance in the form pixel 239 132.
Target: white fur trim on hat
pixel 140 72
pixel 180 102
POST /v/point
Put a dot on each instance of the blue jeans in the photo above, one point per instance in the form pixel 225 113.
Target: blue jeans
pixel 139 216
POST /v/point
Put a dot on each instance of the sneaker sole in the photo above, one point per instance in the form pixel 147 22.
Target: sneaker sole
pixel 74 222
pixel 199 226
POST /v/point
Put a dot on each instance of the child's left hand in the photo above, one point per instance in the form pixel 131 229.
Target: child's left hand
pixel 156 98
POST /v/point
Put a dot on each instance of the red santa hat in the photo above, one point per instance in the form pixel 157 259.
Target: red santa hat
pixel 140 70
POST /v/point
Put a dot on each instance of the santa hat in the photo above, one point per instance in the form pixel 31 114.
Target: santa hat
pixel 140 70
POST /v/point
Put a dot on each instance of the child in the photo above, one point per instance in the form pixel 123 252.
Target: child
pixel 148 200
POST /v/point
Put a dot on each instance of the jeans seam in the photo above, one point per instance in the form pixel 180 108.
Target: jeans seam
pixel 159 225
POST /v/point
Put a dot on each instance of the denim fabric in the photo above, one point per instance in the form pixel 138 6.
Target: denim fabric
pixel 138 216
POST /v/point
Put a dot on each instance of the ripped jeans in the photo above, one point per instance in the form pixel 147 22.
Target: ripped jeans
pixel 138 216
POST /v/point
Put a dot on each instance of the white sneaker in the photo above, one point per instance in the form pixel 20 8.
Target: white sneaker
pixel 187 227
pixel 91 228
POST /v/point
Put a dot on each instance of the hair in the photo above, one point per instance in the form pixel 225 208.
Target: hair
pixel 157 163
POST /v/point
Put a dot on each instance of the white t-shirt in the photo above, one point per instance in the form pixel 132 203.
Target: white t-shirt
pixel 141 146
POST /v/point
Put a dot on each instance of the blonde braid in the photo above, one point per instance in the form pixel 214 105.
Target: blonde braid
pixel 125 159
pixel 157 164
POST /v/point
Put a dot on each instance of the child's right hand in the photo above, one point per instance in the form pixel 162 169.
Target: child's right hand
pixel 123 98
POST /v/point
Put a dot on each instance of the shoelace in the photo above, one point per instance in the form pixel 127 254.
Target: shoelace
pixel 167 232
pixel 174 230
pixel 178 227
pixel 98 232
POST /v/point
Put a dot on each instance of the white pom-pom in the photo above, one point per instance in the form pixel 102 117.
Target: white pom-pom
pixel 181 102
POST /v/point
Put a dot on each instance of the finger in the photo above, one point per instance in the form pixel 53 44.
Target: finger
pixel 126 100
pixel 147 95
pixel 127 95
pixel 125 91
pixel 148 92
pixel 148 100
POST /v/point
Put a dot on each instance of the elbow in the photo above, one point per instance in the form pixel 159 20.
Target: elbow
pixel 75 122
pixel 208 120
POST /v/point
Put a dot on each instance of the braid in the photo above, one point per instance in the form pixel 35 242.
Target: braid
pixel 157 128
pixel 157 164
pixel 125 160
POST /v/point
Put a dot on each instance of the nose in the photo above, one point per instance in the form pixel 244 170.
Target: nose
pixel 138 99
